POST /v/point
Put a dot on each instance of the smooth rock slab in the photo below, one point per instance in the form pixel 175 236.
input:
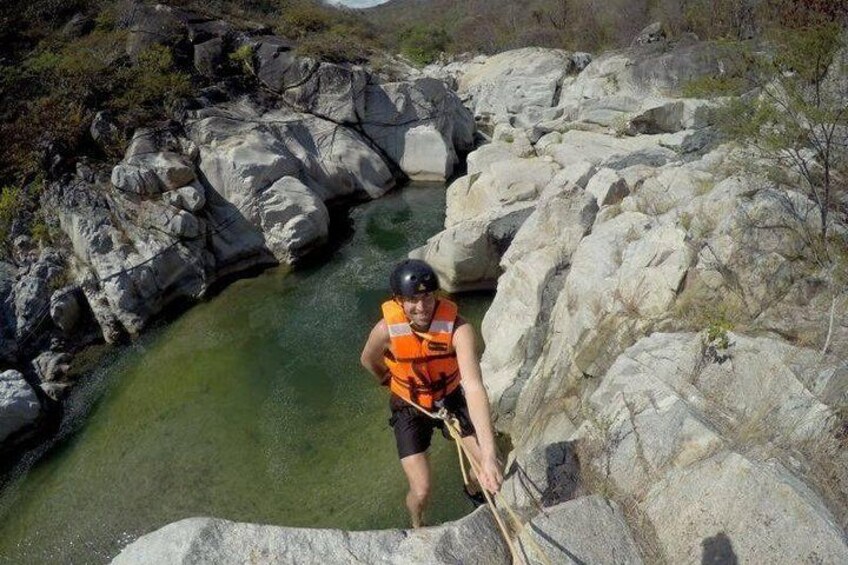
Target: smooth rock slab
pixel 471 540
pixel 585 530
pixel 765 514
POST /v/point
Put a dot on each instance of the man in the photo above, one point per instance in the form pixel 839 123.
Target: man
pixel 427 355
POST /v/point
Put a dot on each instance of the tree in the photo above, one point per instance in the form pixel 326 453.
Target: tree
pixel 796 120
pixel 797 116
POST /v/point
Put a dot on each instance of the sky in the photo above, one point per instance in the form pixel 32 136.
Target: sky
pixel 359 3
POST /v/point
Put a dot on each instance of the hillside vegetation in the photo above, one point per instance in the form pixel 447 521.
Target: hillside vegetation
pixel 63 62
pixel 491 26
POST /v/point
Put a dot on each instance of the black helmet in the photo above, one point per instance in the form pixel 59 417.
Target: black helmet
pixel 412 277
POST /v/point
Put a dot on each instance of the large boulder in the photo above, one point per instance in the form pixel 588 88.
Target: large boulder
pixel 19 405
pixel 511 82
pixel 212 540
pixel 466 255
pixel 420 125
pixel 293 219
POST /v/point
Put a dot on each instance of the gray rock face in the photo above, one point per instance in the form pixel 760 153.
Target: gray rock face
pixel 763 512
pixel 651 34
pixel 51 366
pixel 586 530
pixel 154 25
pixel 190 198
pixel 19 406
pixel 419 125
pixel 126 284
pixel 534 268
pixel 148 174
pixel 104 131
pixel 209 540
pixel 512 81
pixel 32 293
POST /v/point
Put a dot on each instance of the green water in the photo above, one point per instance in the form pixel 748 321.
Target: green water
pixel 251 406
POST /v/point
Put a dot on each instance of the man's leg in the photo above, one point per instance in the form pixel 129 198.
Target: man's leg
pixel 417 469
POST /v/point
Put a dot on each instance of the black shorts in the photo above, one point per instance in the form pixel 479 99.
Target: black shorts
pixel 414 430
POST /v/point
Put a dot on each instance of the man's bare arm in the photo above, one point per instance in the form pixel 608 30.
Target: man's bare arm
pixel 375 348
pixel 478 404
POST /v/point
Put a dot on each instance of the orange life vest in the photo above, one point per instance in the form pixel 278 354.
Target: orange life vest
pixel 423 364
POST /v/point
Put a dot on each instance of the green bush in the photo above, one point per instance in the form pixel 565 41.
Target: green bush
pixel 423 45
pixel 301 19
pixel 243 59
pixel 335 45
pixel 152 82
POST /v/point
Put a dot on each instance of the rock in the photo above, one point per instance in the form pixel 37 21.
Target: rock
pixel 515 325
pixel 650 34
pixel 104 131
pixel 240 158
pixel 206 539
pixel 183 225
pixel 509 82
pixel 8 321
pixel 209 56
pixel 500 184
pixel 133 179
pixel 597 148
pixel 147 141
pixel 420 126
pixel 127 284
pixel 608 187
pixel 32 295
pixel 154 25
pixel 586 530
pixel 671 117
pixel 147 174
pixel 519 142
pixel 202 31
pixel 332 92
pixel 623 279
pixel 77 26
pixel 274 58
pixel 580 60
pixel 761 512
pixel 464 256
pixel 51 366
pixel 544 471
pixel 56 391
pixel 65 308
pixel 191 198
pixel 19 406
pixel 293 219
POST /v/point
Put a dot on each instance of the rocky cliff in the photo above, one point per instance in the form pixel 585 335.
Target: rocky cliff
pixel 654 349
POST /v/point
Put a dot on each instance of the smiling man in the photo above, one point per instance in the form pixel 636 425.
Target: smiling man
pixel 426 354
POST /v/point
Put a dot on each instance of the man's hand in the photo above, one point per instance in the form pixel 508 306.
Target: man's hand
pixel 490 474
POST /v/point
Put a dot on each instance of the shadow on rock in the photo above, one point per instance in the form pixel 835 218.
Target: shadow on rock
pixel 718 550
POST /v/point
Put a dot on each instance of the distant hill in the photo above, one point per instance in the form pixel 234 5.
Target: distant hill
pixel 588 25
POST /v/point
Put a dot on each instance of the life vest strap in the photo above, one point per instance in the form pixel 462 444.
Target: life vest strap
pixel 439 386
